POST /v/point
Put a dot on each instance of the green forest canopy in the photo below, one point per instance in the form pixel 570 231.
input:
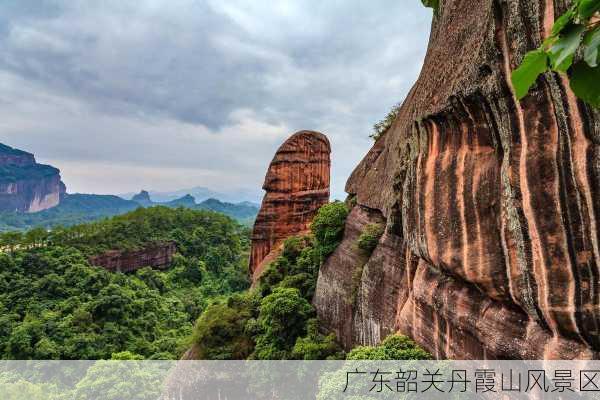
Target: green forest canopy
pixel 54 305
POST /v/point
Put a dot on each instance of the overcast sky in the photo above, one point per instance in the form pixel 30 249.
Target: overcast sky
pixel 169 94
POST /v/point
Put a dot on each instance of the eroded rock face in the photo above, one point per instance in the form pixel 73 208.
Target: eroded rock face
pixel 25 185
pixel 297 185
pixel 156 256
pixel 491 205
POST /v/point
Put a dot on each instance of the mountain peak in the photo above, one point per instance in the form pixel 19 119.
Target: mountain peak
pixel 187 201
pixel 143 197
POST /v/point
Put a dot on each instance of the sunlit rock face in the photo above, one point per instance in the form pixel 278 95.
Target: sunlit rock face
pixel 490 204
pixel 296 185
pixel 25 185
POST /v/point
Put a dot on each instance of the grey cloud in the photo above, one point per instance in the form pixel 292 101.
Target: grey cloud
pixel 121 73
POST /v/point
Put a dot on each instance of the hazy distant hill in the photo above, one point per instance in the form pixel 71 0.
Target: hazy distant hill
pixel 245 212
pixel 80 208
pixel 73 209
pixel 202 193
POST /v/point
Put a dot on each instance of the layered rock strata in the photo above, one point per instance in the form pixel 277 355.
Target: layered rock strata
pixel 159 256
pixel 491 247
pixel 296 185
pixel 25 185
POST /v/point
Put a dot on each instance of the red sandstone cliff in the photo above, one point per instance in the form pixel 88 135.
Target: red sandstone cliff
pixel 491 247
pixel 297 185
pixel 159 256
pixel 25 185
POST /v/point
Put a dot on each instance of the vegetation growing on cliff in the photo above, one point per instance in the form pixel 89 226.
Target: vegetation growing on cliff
pixel 13 173
pixel 328 227
pixel 572 48
pixel 394 347
pixel 366 243
pixel 435 4
pixel 369 237
pixel 54 305
pixel 381 127
pixel 275 320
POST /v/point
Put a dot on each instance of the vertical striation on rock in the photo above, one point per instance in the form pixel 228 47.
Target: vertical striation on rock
pixel 296 185
pixel 491 245
pixel 25 185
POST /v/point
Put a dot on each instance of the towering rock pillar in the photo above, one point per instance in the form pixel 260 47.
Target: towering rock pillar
pixel 297 184
pixel 491 205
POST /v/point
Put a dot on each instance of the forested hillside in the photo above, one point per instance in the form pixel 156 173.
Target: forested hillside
pixel 82 208
pixel 275 320
pixel 53 304
pixel 73 209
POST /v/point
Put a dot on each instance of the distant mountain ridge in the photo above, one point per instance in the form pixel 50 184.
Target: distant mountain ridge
pixel 244 212
pixel 33 195
pixel 73 209
pixel 201 193
pixel 82 208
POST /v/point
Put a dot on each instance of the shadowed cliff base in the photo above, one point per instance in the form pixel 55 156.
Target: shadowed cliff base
pixel 491 242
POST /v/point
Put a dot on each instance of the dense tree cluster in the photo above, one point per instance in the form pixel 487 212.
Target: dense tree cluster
pixel 54 305
pixel 394 347
pixel 275 320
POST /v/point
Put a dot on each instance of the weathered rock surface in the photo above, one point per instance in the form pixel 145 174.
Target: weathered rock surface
pixel 491 246
pixel 297 185
pixel 26 186
pixel 156 256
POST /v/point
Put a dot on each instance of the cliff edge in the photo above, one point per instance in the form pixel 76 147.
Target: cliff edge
pixel 491 241
pixel 25 185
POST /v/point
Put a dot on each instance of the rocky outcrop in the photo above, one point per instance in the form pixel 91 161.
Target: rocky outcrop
pixel 26 186
pixel 18 158
pixel 143 198
pixel 491 204
pixel 158 255
pixel 297 185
